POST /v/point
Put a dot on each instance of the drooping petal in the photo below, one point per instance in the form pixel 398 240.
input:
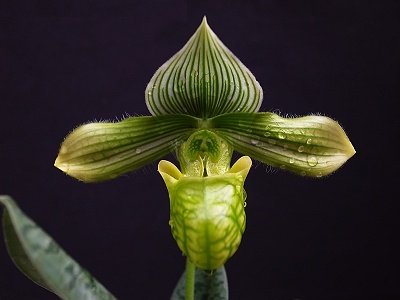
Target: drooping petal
pixel 204 79
pixel 102 151
pixel 311 145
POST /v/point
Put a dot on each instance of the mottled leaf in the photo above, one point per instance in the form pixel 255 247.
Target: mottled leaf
pixel 311 145
pixel 42 260
pixel 102 151
pixel 208 286
pixel 203 79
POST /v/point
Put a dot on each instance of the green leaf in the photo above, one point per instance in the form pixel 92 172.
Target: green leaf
pixel 204 79
pixel 42 260
pixel 207 286
pixel 101 151
pixel 310 145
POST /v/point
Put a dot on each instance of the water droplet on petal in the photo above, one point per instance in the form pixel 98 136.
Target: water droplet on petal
pixel 300 149
pixel 281 135
pixel 267 134
pixel 312 160
pixel 309 141
pixel 254 142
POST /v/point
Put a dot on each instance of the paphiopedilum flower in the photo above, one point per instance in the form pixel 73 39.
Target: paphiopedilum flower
pixel 204 104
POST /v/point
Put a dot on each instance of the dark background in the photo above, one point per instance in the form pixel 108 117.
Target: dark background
pixel 63 64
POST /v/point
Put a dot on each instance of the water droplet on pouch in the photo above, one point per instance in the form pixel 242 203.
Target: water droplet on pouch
pixel 138 150
pixel 291 160
pixel 309 141
pixel 244 204
pixel 319 174
pixel 312 160
pixel 303 173
pixel 300 149
pixel 267 134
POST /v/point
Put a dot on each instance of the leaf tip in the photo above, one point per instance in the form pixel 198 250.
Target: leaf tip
pixel 5 199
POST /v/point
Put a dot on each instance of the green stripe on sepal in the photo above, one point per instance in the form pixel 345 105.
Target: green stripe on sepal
pixel 311 145
pixel 207 215
pixel 42 260
pixel 203 79
pixel 101 151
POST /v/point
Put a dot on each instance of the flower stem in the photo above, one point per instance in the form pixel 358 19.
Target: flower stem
pixel 190 279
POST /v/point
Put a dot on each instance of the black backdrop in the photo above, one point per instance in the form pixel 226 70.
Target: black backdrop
pixel 62 64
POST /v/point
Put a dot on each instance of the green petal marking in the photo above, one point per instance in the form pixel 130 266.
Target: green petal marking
pixel 311 145
pixel 42 260
pixel 102 151
pixel 207 213
pixel 205 149
pixel 203 79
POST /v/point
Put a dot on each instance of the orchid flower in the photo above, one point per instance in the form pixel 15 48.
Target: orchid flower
pixel 204 105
